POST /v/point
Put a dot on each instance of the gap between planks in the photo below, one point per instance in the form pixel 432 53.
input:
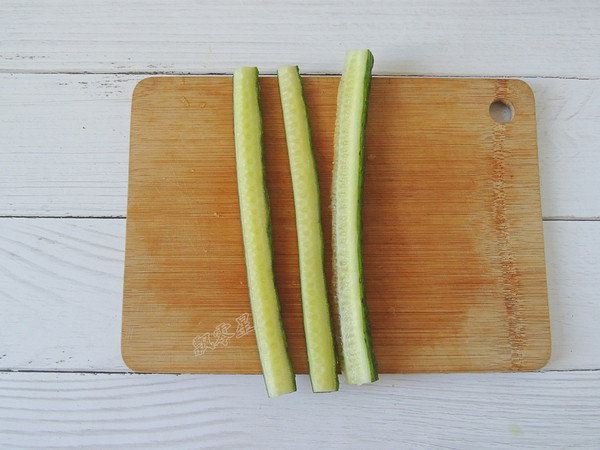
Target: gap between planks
pixel 129 372
pixel 544 219
pixel 273 73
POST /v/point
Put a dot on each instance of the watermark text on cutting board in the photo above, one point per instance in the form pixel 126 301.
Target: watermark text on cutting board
pixel 221 335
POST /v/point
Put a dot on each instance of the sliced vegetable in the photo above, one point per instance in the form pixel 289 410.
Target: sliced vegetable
pixel 256 231
pixel 320 343
pixel 357 357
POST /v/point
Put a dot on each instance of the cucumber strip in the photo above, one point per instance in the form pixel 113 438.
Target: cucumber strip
pixel 318 331
pixel 256 231
pixel 357 357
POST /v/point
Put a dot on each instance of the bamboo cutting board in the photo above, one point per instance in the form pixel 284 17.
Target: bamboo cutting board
pixel 453 245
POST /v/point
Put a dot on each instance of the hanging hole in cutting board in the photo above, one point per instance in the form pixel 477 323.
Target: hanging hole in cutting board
pixel 502 111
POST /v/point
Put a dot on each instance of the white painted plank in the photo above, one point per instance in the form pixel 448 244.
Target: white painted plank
pixel 573 271
pixel 61 294
pixel 461 411
pixel 64 144
pixel 434 37
pixel 568 122
pixel 61 285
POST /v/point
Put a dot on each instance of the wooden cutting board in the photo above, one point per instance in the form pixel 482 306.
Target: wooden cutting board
pixel 453 244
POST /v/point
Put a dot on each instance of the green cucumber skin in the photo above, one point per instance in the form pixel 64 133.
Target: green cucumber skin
pixel 335 387
pixel 270 240
pixel 366 329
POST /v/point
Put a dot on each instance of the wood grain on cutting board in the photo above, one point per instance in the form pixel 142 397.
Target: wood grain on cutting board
pixel 452 229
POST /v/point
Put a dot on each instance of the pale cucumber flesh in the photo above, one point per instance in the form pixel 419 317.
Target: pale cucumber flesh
pixel 320 343
pixel 255 219
pixel 357 357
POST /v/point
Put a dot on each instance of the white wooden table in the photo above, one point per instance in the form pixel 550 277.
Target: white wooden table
pixel 67 72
